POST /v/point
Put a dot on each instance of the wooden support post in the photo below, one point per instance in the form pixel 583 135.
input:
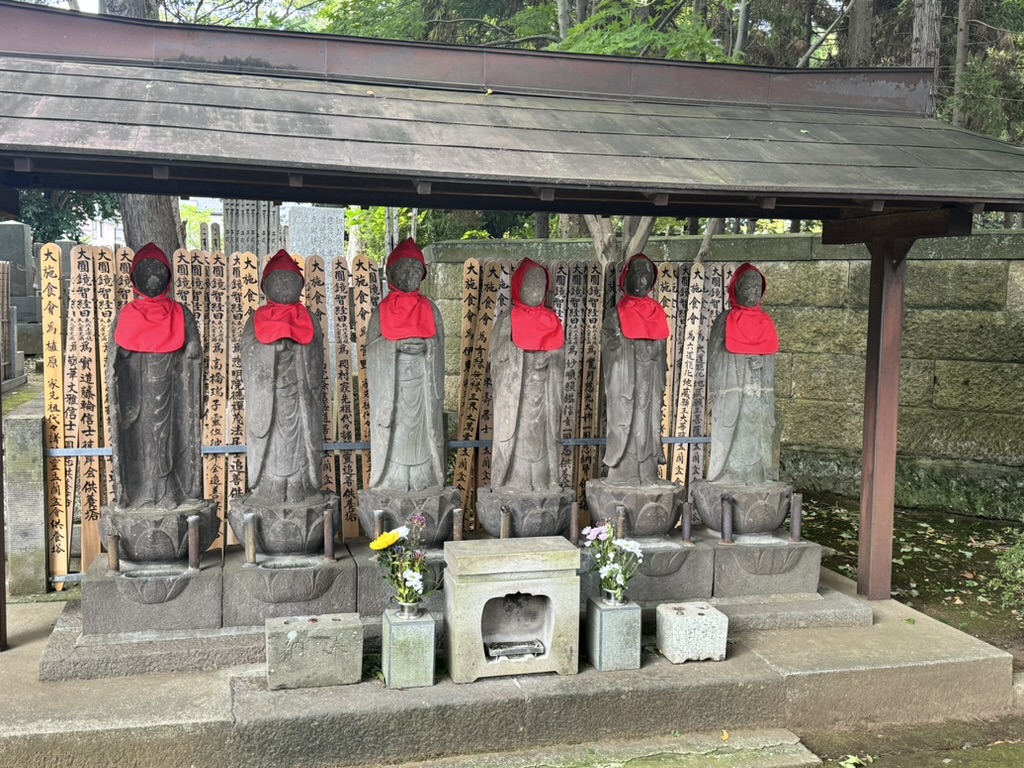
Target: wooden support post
pixel 881 406
pixel 3 548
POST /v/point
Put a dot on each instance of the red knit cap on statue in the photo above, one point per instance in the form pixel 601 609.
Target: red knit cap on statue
pixel 749 330
pixel 151 324
pixel 534 329
pixel 641 317
pixel 274 321
pixel 407 314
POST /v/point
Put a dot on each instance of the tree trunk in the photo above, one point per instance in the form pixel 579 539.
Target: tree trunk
pixel 962 40
pixel 742 23
pixel 858 40
pixel 152 219
pixel 609 248
pixel 564 17
pixel 571 226
pixel 148 218
pixel 924 47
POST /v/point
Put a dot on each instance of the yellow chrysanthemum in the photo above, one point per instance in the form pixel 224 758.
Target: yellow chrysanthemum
pixel 385 540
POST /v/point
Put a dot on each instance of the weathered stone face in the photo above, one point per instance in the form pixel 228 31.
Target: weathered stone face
pixel 282 286
pixel 405 274
pixel 151 277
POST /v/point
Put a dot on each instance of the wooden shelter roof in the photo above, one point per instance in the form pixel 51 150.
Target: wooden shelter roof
pixel 102 103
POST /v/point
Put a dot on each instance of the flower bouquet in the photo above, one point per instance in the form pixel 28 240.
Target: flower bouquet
pixel 403 562
pixel 616 560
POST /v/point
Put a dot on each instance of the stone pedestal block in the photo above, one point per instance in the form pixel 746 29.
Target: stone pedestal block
pixel 375 594
pixel 314 651
pixel 534 513
pixel 613 635
pixel 288 528
pixel 691 632
pixel 670 571
pixel 436 506
pixel 158 535
pixel 152 597
pixel 287 586
pixel 511 607
pixel 757 508
pixel 25 495
pixel 771 565
pixel 651 510
pixel 407 649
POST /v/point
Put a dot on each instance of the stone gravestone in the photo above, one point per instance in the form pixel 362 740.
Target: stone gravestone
pixel 316 231
pixel 527 368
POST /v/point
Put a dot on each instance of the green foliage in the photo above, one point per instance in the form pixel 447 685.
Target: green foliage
pixel 619 29
pixel 390 20
pixel 60 214
pixel 1009 584
pixel 476 234
pixel 192 217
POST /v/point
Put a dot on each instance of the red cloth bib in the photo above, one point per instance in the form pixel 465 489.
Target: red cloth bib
pixel 151 324
pixel 749 330
pixel 274 321
pixel 534 329
pixel 406 316
pixel 641 317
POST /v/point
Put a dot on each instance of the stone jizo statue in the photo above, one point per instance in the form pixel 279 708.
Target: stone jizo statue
pixel 405 366
pixel 282 370
pixel 527 369
pixel 741 381
pixel 155 369
pixel 633 348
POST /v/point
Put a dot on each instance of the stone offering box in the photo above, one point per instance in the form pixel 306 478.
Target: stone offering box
pixel 511 607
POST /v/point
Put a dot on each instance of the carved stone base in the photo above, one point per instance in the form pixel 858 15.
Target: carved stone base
pixel 651 510
pixel 151 597
pixel 288 585
pixel 534 513
pixel 435 505
pixel 159 535
pixel 286 528
pixel 776 568
pixel 758 509
pixel 669 572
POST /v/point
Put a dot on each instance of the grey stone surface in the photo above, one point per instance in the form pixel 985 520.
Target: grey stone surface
pixel 30 338
pixel 775 567
pixel 826 608
pixel 821 678
pixel 669 572
pixel 70 655
pixel 30 311
pixel 152 597
pixel 25 500
pixel 437 505
pixel 755 508
pixel 651 510
pixel 613 635
pixel 798 283
pixel 693 631
pixel 287 586
pixel 155 534
pixel 316 231
pixel 511 590
pixel 407 650
pixel 941 284
pixel 996 387
pixel 964 335
pixel 285 528
pixel 534 513
pixel 1015 287
pixel 16 248
pixel 314 651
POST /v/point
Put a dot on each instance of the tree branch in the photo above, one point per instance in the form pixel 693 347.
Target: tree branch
pixel 806 58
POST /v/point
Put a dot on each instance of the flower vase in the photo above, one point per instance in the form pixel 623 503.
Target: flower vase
pixel 612 597
pixel 613 633
pixel 409 610
pixel 407 647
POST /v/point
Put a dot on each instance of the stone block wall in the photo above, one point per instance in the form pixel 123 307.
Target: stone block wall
pixel 961 432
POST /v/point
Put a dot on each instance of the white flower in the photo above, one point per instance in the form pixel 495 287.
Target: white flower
pixel 402 531
pixel 413 580
pixel 628 545
pixel 611 568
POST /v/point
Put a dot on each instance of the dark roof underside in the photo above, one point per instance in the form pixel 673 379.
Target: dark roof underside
pixel 195 129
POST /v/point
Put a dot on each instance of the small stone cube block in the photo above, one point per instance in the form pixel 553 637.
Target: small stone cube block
pixel 314 651
pixel 691 632
pixel 613 635
pixel 407 650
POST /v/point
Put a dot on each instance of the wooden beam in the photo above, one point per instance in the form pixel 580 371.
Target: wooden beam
pixel 912 225
pixel 10 205
pixel 294 179
pixel 3 548
pixel 881 410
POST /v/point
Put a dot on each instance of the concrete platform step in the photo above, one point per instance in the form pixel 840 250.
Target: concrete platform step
pixel 765 748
